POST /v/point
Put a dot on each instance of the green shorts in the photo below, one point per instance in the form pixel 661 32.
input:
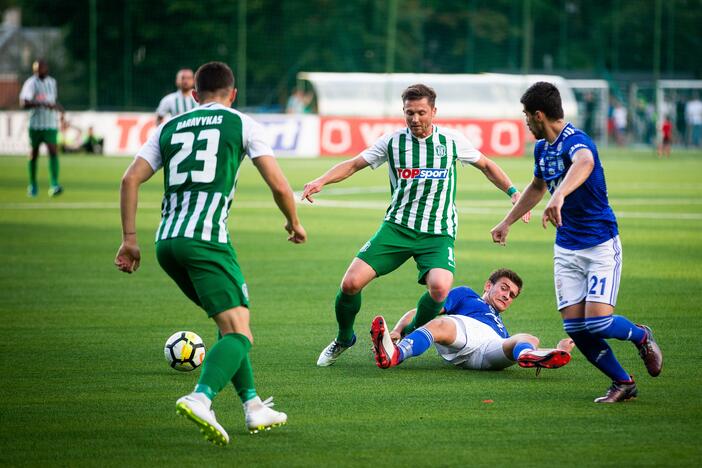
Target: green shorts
pixel 393 244
pixel 48 136
pixel 206 272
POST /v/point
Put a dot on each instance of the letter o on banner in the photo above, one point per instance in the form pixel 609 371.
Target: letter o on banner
pixel 500 130
pixel 336 136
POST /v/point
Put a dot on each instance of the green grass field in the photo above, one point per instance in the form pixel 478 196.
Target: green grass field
pixel 84 381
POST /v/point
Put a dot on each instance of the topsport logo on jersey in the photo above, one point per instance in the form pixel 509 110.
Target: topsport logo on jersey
pixel 422 173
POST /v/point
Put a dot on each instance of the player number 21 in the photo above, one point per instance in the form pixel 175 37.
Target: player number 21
pixel 593 284
pixel 207 155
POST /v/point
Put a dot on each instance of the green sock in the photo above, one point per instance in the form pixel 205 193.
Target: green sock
pixel 32 167
pixel 427 309
pixel 243 380
pixel 53 170
pixel 222 361
pixel 346 308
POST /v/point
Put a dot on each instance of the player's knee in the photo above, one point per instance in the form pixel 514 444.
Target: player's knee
pixel 531 339
pixel 439 292
pixel 351 285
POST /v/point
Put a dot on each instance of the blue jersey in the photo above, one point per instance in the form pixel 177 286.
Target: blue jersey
pixel 464 301
pixel 586 215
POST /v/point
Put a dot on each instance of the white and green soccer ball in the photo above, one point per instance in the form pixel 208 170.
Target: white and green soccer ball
pixel 184 351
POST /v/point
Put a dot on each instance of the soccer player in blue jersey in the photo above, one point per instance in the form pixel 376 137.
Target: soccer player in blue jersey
pixel 587 254
pixel 469 333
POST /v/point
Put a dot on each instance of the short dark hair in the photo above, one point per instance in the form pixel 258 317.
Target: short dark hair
pixel 213 77
pixel 506 273
pixel 418 91
pixel 544 97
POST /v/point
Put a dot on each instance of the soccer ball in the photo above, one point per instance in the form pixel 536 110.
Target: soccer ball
pixel 184 351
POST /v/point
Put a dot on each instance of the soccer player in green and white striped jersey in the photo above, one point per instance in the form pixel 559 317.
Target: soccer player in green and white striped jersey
pixel 421 220
pixel 179 101
pixel 39 95
pixel 201 153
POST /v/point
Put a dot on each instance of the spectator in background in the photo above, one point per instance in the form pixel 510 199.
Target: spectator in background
pixel 667 131
pixel 178 101
pixel 680 124
pixel 92 144
pixel 693 117
pixel 298 102
pixel 619 116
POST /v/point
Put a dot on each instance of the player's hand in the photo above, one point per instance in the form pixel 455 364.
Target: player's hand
pixel 566 344
pixel 297 234
pixel 395 336
pixel 310 189
pixel 552 213
pixel 499 233
pixel 515 198
pixel 128 257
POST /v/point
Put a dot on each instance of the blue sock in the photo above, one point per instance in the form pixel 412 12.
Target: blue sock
pixel 595 349
pixel 615 326
pixel 415 343
pixel 519 347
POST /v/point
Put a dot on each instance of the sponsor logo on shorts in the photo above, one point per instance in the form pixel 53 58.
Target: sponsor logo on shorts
pixel 245 290
pixel 422 173
pixel 365 247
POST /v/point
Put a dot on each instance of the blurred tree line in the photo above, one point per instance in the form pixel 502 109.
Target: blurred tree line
pixel 141 43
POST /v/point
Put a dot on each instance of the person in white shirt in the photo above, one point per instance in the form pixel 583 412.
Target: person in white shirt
pixel 179 101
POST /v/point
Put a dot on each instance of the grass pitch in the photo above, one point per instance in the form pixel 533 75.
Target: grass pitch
pixel 85 382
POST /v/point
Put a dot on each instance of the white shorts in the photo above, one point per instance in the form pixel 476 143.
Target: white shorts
pixel 589 274
pixel 477 346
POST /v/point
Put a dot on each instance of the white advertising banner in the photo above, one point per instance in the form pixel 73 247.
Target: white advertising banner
pixel 125 132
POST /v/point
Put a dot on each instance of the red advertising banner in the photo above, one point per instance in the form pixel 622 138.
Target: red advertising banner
pixel 345 136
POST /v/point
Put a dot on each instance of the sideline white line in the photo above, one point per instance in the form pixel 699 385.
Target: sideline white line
pixel 462 208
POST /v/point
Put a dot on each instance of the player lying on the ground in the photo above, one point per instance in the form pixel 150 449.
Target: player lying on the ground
pixel 469 333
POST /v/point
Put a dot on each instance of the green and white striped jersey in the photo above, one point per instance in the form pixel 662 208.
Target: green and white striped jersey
pixel 423 177
pixel 35 89
pixel 201 153
pixel 175 104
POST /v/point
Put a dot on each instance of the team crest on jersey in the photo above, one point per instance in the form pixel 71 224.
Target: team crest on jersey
pixel 440 151
pixel 422 173
pixel 559 147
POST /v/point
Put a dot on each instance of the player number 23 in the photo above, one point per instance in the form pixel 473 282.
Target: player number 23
pixel 207 155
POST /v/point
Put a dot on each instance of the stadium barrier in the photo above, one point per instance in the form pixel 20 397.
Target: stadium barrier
pixel 295 136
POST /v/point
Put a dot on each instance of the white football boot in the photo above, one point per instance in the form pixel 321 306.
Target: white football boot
pixel 260 416
pixel 332 352
pixel 195 408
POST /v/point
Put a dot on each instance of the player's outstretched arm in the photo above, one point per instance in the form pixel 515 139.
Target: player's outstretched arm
pixel 340 172
pixel 283 195
pixel 583 164
pixel 531 196
pixel 129 255
pixel 499 178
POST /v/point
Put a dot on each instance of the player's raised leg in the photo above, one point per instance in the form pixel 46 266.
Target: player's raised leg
pixel 601 321
pixel 346 307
